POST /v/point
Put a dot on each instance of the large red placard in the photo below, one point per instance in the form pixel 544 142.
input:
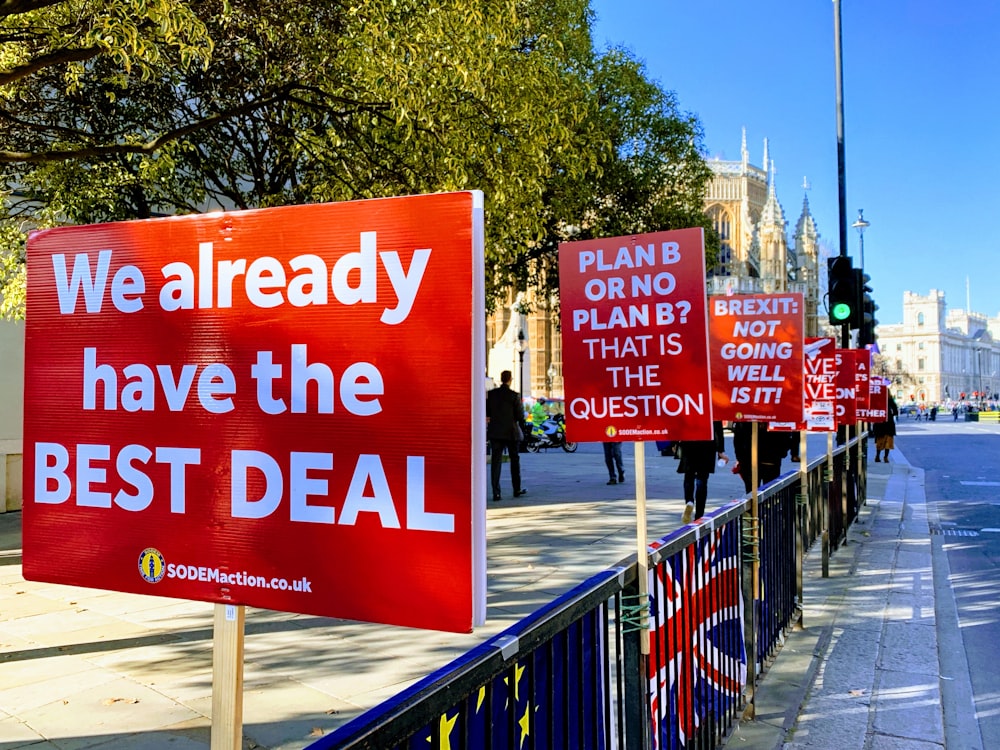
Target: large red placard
pixel 820 372
pixel 263 408
pixel 634 336
pixel 847 404
pixel 756 343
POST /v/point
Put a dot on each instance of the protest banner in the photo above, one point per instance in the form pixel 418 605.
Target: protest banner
pixel 820 372
pixel 878 408
pixel 245 408
pixel 862 370
pixel 757 347
pixel 846 405
pixel 635 337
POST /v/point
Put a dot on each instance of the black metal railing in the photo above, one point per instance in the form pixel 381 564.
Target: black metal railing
pixel 573 674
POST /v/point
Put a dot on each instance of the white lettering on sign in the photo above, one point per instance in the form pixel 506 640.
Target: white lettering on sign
pixel 265 281
pixel 368 472
pixel 751 306
pixel 360 385
pixel 216 385
pixel 57 480
pixel 53 484
pixel 650 405
pixel 759 350
pixel 639 256
pixel 663 314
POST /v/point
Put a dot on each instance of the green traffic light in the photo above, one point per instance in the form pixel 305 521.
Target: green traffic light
pixel 841 311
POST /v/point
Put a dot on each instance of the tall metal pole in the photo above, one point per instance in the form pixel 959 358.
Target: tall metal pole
pixel 845 332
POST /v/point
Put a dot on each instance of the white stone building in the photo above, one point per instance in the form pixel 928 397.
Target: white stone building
pixel 938 355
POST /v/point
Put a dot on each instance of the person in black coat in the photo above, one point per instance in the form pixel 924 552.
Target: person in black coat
pixel 885 432
pixel 697 461
pixel 504 418
pixel 772 446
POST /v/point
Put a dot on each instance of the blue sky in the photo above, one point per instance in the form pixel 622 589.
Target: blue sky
pixel 921 121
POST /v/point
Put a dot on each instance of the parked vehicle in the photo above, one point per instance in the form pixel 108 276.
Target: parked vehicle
pixel 550 433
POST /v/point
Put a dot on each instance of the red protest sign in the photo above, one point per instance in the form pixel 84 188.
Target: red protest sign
pixel 634 337
pixel 846 405
pixel 235 408
pixel 878 409
pixel 820 386
pixel 756 344
pixel 862 369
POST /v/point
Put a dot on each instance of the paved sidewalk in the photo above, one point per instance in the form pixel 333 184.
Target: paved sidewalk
pixel 82 668
pixel 863 670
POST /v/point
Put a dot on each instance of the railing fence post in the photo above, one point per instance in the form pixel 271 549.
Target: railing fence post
pixel 636 667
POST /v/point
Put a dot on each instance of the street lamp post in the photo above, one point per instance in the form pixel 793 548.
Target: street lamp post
pixel 979 366
pixel 861 225
pixel 522 346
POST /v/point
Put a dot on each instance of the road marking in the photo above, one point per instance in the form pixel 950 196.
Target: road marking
pixel 981 484
pixel 991 531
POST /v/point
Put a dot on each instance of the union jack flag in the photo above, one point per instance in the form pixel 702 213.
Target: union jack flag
pixel 697 659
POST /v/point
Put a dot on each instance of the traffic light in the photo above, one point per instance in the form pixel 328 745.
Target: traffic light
pixel 866 321
pixel 866 333
pixel 842 290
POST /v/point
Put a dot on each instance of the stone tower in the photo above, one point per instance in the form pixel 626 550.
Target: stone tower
pixel 806 260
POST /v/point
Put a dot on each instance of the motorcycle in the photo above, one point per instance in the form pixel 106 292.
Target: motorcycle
pixel 551 433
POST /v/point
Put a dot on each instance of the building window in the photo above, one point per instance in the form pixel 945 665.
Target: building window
pixel 722 224
pixel 899 347
pixel 920 318
pixel 920 345
pixel 920 363
pixel 899 365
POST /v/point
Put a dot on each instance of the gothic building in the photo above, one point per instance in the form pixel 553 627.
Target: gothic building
pixel 755 258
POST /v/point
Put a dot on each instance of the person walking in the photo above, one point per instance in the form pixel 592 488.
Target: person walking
pixel 772 446
pixel 505 429
pixel 697 461
pixel 613 460
pixel 885 432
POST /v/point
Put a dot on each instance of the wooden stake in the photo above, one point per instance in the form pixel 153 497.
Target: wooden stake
pixel 227 677
pixel 642 548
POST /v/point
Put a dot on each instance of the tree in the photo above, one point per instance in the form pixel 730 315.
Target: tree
pixel 649 173
pixel 317 101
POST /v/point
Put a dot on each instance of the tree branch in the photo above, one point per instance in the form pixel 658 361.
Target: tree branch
pixel 16 7
pixel 149 147
pixel 45 61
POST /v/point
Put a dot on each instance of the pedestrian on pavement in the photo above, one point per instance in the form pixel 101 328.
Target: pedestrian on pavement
pixel 505 429
pixel 885 432
pixel 772 446
pixel 697 461
pixel 954 413
pixel 613 460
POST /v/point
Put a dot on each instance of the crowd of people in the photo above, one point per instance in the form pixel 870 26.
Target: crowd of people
pixel 956 409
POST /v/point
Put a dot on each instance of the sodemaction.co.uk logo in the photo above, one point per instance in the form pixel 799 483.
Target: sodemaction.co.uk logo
pixel 152 566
